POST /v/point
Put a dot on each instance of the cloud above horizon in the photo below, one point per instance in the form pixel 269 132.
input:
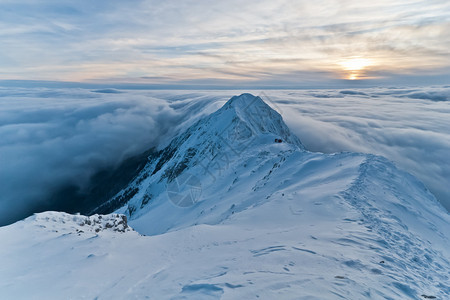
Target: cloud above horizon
pixel 230 42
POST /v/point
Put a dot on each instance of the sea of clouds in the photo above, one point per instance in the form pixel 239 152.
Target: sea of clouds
pixel 51 137
pixel 410 126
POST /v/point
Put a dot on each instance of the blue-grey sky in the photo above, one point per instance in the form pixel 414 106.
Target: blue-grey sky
pixel 226 43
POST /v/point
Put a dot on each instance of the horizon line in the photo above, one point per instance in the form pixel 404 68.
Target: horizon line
pixel 20 83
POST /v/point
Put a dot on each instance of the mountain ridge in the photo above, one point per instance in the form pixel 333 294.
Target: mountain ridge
pixel 249 213
pixel 227 132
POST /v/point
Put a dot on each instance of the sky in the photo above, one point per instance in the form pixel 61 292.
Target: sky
pixel 232 43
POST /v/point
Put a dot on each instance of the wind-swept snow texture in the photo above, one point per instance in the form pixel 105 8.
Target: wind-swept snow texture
pixel 235 208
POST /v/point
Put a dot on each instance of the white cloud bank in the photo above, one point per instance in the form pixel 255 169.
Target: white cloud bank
pixel 408 126
pixel 52 137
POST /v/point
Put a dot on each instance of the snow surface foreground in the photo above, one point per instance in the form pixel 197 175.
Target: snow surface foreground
pixel 275 222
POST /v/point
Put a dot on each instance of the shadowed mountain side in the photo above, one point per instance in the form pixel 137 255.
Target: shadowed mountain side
pixel 103 185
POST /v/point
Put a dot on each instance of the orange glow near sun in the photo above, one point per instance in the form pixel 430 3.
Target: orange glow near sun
pixel 355 66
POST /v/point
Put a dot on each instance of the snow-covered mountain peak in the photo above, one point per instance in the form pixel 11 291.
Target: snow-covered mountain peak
pixel 244 127
pixel 244 100
pixel 253 117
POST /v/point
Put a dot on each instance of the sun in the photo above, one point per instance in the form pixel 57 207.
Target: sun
pixel 353 76
pixel 354 66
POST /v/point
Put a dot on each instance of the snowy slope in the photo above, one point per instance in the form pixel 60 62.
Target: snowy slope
pixel 230 212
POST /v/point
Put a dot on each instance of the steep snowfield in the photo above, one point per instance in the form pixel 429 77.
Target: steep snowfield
pixel 231 212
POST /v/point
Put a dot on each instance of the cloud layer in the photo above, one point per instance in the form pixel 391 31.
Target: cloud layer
pixel 52 137
pixel 408 126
